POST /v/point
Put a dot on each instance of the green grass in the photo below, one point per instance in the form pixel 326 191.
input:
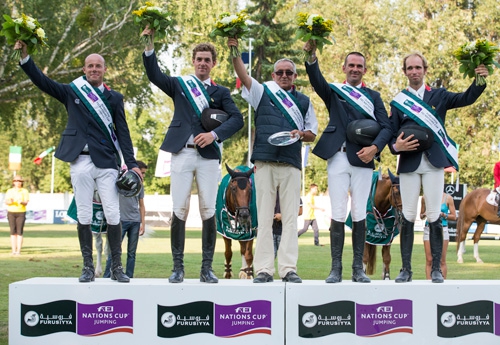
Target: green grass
pixel 53 251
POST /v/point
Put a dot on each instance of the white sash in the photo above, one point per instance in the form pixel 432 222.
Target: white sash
pixel 198 97
pixel 195 92
pixel 100 109
pixel 358 98
pixel 421 113
pixel 288 105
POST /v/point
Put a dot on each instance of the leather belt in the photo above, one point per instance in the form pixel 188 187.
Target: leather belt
pixel 85 153
pixel 342 149
pixel 190 146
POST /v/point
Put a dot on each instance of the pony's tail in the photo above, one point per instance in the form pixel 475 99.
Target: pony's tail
pixel 372 258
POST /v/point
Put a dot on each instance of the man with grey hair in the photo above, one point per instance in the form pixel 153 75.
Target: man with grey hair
pixel 278 107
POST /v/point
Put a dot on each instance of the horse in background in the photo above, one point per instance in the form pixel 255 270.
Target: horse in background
pixel 100 250
pixel 383 221
pixel 236 215
pixel 474 207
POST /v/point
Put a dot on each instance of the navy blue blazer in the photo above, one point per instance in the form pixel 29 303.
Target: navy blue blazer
pixel 185 120
pixel 82 128
pixel 440 100
pixel 341 113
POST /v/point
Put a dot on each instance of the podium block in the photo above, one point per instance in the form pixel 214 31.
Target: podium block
pixel 145 311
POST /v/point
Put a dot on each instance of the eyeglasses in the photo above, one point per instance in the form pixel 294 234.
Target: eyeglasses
pixel 287 72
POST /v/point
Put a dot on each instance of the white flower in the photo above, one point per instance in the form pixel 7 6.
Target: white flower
pixel 470 47
pixel 309 21
pixel 18 20
pixel 155 8
pixel 30 24
pixel 40 33
pixel 227 20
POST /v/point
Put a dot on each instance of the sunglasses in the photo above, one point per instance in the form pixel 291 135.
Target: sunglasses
pixel 287 72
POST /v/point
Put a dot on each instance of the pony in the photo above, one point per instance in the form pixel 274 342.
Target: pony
pixel 383 221
pixel 474 207
pixel 236 216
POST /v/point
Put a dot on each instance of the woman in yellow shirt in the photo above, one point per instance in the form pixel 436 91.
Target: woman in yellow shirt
pixel 16 200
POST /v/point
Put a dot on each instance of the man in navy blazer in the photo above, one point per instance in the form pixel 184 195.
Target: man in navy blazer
pixel 350 166
pixel 91 154
pixel 425 169
pixel 196 152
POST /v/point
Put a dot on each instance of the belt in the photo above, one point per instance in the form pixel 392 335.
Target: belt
pixel 190 146
pixel 342 149
pixel 85 153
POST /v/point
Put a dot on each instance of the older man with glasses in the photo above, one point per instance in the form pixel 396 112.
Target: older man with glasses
pixel 279 108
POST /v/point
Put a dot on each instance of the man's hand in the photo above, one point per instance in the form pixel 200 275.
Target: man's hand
pixel 23 47
pixel 482 71
pixel 149 32
pixel 366 154
pixel 204 139
pixel 406 144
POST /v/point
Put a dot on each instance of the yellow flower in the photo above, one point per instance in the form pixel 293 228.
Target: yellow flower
pixel 40 33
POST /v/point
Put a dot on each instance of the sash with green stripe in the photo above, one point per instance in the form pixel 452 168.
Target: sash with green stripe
pixel 99 107
pixel 197 96
pixel 425 116
pixel 357 97
pixel 287 104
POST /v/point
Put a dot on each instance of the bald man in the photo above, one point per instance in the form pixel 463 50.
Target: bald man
pixel 95 137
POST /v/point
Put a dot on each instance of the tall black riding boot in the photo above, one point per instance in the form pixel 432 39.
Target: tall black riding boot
pixel 358 247
pixel 436 243
pixel 114 234
pixel 85 238
pixel 208 238
pixel 337 234
pixel 406 237
pixel 177 240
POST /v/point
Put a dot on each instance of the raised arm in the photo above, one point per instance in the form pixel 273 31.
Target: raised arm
pixel 239 66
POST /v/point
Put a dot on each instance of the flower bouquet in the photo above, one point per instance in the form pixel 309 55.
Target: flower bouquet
pixel 26 29
pixel 314 27
pixel 474 54
pixel 231 25
pixel 154 17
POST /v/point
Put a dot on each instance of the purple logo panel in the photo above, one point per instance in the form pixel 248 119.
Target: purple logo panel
pixel 242 319
pixel 394 316
pixel 106 317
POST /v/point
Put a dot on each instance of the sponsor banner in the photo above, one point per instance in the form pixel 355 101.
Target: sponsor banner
pixel 365 320
pixel 227 321
pixel 180 320
pixel 48 318
pixel 463 319
pixel 84 319
pixel 394 316
pixel 242 319
pixel 330 318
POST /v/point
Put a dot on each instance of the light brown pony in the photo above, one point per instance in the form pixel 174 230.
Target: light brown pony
pixel 474 208
pixel 386 195
pixel 238 196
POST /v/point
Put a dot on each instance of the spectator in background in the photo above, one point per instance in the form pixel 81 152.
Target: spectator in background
pixel 496 174
pixel 16 200
pixel 310 217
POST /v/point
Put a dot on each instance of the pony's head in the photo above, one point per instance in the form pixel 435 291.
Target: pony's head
pixel 238 196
